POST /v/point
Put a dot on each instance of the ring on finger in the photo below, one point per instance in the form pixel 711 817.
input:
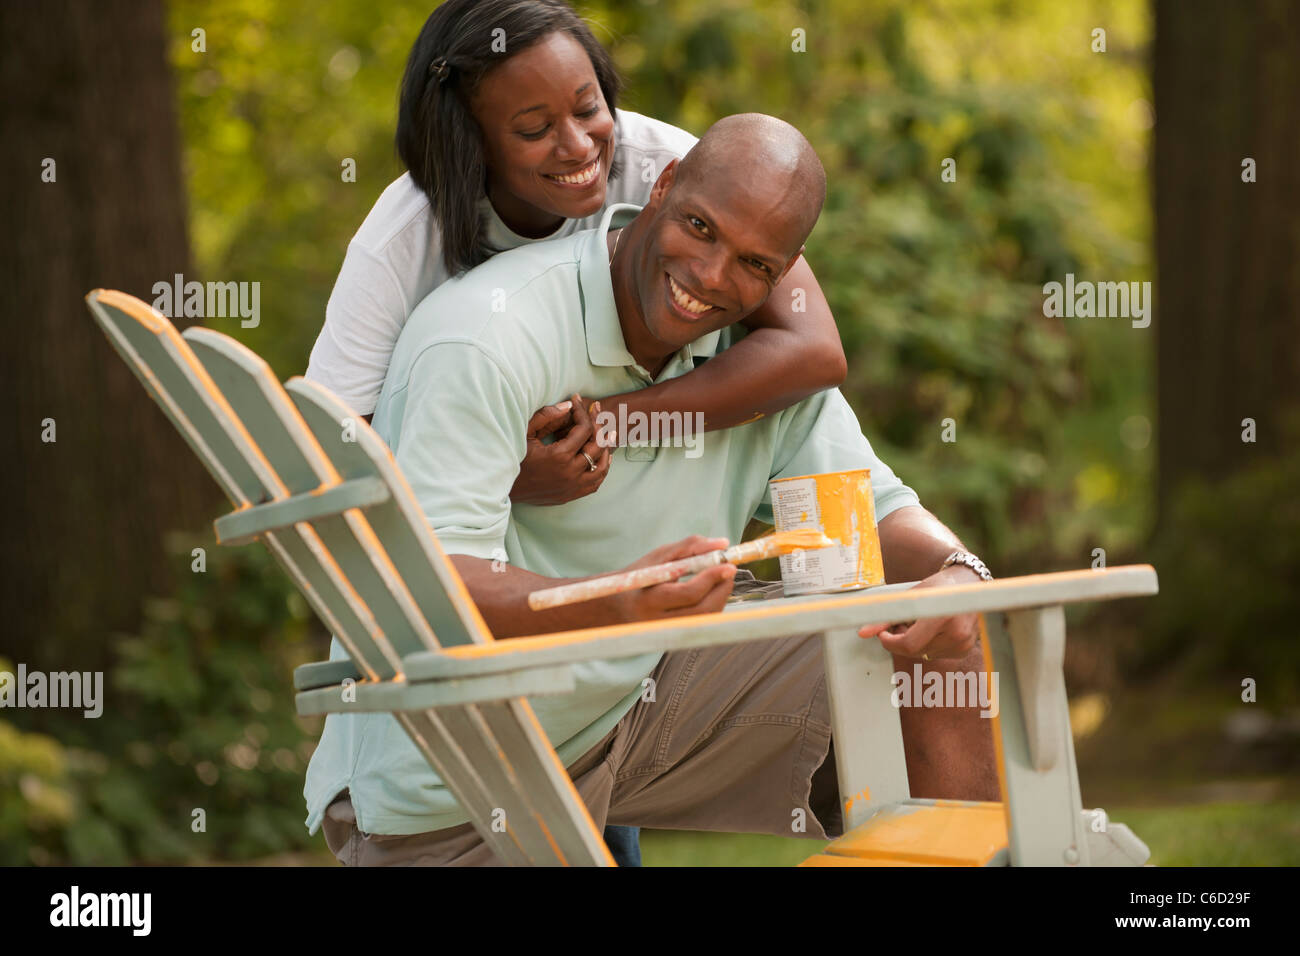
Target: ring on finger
pixel 590 461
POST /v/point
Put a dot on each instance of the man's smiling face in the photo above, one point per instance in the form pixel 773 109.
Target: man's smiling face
pixel 715 248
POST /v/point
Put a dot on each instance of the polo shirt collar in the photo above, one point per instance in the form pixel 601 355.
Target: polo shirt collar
pixel 605 343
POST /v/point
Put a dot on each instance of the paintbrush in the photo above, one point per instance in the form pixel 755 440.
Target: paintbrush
pixel 768 546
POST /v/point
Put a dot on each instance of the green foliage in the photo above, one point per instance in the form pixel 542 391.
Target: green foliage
pixel 198 714
pixel 936 286
pixel 1218 834
pixel 1231 555
pixel 284 93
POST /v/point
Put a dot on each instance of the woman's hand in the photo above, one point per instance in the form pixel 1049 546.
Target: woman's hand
pixel 562 471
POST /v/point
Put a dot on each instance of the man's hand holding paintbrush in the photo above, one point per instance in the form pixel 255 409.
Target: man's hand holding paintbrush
pixel 648 573
pixel 698 580
pixel 501 592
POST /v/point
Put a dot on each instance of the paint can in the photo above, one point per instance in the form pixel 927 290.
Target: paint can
pixel 840 505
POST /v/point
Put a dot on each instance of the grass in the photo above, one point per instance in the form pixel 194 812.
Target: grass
pixel 692 848
pixel 1213 834
pixel 1226 833
pixel 1218 834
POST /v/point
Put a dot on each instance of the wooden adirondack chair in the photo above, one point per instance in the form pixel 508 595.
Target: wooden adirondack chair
pixel 311 479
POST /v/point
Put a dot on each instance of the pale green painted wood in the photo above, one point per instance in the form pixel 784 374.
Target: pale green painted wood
pixel 1047 827
pixel 173 375
pixel 1116 845
pixel 323 673
pixel 158 360
pixel 400 627
pixel 1038 646
pixel 312 565
pixel 358 556
pixel 764 620
pixel 241 527
pixel 869 760
pixel 391 696
pixel 270 433
pixel 558 800
pixel 512 783
pixel 519 761
pixel 457 771
pixel 399 523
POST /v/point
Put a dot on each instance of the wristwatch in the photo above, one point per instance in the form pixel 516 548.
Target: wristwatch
pixel 969 560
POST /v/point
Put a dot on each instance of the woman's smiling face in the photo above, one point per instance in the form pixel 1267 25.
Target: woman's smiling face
pixel 548 136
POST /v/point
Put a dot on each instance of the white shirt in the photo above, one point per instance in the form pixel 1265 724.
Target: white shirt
pixel 395 260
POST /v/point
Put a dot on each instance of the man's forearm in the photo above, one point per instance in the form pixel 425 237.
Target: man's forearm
pixel 502 599
pixel 914 543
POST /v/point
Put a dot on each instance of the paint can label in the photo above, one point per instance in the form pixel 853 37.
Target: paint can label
pixel 840 505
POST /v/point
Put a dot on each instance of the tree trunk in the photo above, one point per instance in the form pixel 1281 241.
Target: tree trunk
pixel 1227 88
pixel 86 85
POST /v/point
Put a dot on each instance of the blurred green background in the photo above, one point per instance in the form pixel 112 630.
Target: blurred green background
pixel 937 289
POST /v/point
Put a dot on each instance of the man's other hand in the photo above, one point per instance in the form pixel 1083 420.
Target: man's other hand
pixel 936 638
pixel 703 593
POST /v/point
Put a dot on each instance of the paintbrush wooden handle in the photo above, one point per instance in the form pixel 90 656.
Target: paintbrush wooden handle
pixel 757 550
pixel 632 580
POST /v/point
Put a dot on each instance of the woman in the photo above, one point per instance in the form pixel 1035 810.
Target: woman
pixel 495 162
pixel 508 128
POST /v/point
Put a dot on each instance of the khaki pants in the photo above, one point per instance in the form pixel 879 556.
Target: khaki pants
pixel 737 739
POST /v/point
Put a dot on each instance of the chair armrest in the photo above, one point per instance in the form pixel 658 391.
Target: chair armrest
pixel 324 674
pixel 399 695
pixel 764 620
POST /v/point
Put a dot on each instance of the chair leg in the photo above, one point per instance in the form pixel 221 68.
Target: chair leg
pixel 869 758
pixel 1045 825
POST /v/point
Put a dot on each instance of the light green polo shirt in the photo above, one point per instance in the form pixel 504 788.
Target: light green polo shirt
pixel 476 358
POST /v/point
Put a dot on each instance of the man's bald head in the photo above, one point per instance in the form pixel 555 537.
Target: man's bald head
pixel 756 149
pixel 721 230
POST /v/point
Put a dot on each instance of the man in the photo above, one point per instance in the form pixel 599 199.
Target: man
pixel 733 737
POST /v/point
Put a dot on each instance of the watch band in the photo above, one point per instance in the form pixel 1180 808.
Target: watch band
pixel 966 559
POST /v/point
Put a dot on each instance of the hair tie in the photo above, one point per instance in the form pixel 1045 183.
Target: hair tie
pixel 440 68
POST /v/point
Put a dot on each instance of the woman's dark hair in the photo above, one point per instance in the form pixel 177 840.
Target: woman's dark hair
pixel 437 136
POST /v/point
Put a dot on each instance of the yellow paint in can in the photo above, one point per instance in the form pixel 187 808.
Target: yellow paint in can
pixel 840 505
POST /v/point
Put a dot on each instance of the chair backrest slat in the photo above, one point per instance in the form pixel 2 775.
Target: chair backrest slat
pixel 356 451
pixel 374 573
pixel 278 429
pixel 155 352
pixel 517 730
pixel 504 748
pixel 251 388
pixel 456 768
pixel 179 382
